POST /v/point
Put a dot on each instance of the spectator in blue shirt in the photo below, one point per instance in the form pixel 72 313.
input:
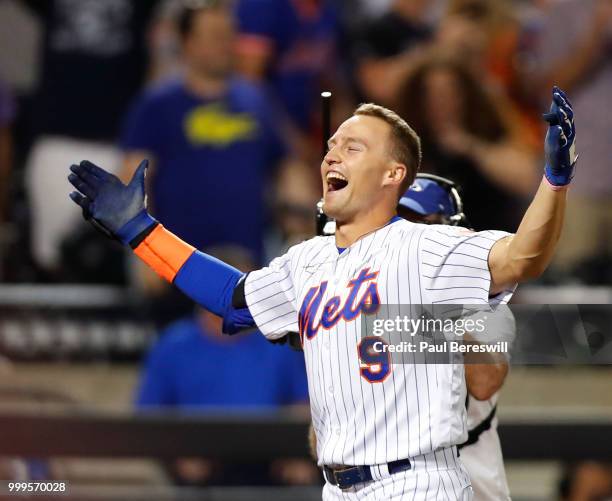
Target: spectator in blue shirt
pixel 194 367
pixel 213 140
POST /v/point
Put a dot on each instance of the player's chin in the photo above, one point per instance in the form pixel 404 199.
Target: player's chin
pixel 333 204
pixel 330 198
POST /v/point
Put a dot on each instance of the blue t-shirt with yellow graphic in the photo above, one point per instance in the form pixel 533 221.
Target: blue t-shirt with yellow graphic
pixel 213 158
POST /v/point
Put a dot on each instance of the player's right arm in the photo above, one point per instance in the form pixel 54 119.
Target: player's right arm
pixel 119 211
pixel 526 254
pixel 485 373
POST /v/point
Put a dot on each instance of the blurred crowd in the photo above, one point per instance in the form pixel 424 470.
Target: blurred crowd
pixel 223 98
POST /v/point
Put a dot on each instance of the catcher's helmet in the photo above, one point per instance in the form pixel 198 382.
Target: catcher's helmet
pixel 435 195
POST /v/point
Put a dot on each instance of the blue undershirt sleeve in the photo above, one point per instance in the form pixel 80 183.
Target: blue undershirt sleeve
pixel 211 283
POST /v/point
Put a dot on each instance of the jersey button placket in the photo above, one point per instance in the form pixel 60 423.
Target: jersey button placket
pixel 326 343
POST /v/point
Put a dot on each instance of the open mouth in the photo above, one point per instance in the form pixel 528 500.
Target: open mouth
pixel 336 181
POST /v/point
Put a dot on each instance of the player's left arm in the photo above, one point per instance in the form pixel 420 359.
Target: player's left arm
pixel 485 379
pixel 526 254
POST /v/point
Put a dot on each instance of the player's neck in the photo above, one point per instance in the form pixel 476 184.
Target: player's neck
pixel 347 233
pixel 203 85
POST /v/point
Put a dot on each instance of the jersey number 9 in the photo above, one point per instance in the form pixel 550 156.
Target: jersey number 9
pixel 374 359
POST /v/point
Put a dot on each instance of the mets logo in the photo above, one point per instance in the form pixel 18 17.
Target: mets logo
pixel 362 298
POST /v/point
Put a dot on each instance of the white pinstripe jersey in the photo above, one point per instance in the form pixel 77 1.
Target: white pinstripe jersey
pixel 320 292
pixel 484 460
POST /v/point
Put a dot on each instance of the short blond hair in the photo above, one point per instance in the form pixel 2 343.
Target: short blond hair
pixel 406 144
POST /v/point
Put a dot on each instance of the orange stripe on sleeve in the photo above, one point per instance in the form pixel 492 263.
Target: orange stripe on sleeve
pixel 164 252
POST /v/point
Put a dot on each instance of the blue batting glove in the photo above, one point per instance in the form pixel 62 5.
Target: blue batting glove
pixel 560 143
pixel 119 211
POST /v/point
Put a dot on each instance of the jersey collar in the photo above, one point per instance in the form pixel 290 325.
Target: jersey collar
pixel 394 219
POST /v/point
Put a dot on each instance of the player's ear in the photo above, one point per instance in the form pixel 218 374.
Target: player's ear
pixel 396 173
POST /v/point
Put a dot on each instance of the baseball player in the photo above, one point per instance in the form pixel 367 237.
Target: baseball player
pixel 384 430
pixel 434 199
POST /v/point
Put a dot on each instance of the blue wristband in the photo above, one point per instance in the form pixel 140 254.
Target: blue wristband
pixel 135 226
pixel 559 177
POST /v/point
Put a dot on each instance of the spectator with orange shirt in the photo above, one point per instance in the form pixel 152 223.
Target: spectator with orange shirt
pixel 488 37
pixel 466 137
